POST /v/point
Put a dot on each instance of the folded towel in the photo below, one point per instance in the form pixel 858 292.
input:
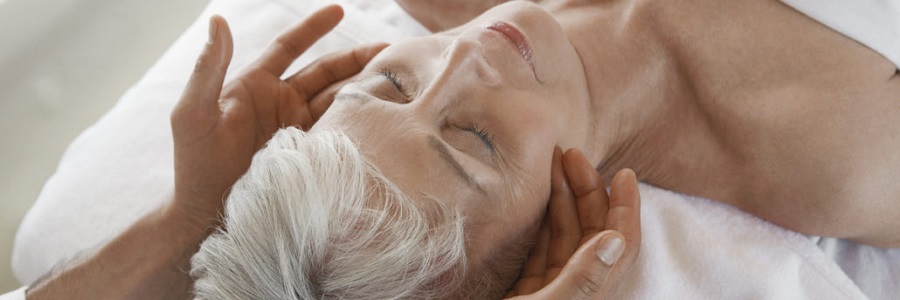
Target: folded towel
pixel 875 270
pixel 695 248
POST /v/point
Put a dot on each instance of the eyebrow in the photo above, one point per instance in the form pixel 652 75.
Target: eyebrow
pixel 442 150
pixel 355 96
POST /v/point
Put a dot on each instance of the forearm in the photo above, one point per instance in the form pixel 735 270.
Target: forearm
pixel 149 260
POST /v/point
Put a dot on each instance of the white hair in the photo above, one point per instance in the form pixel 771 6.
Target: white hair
pixel 312 219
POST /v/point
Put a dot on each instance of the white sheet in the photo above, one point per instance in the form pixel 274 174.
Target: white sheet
pixel 122 167
pixel 695 248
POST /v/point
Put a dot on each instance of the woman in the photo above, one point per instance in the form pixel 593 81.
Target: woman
pixel 217 130
pixel 683 92
pixel 470 115
pixel 747 102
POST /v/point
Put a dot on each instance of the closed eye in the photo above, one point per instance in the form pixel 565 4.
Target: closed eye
pixel 482 134
pixel 391 76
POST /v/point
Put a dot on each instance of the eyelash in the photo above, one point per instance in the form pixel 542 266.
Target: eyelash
pixel 392 77
pixel 486 137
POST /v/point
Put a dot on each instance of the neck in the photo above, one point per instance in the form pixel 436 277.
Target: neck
pixel 646 113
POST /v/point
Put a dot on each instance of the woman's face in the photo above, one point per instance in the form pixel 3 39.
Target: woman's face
pixel 471 116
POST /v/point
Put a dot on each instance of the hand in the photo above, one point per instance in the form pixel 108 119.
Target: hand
pixel 605 230
pixel 217 129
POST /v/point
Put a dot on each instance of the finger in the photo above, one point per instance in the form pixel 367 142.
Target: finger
pixel 293 42
pixel 592 271
pixel 565 228
pixel 625 211
pixel 532 278
pixel 202 92
pixel 589 190
pixel 330 69
pixel 320 103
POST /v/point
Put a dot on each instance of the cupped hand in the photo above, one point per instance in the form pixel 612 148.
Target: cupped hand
pixel 217 129
pixel 589 239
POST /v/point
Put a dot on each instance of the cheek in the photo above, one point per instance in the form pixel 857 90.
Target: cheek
pixel 529 186
pixel 535 131
pixel 529 128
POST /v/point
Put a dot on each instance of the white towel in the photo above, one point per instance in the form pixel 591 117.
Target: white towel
pixel 695 248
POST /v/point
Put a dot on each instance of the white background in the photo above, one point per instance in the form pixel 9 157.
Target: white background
pixel 63 63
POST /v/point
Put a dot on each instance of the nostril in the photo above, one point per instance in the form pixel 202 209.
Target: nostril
pixel 487 73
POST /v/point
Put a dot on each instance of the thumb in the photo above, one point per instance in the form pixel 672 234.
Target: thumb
pixel 587 274
pixel 205 86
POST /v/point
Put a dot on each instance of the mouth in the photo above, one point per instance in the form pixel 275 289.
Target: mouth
pixel 517 38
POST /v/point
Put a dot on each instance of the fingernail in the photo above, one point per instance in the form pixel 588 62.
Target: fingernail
pixel 610 249
pixel 212 28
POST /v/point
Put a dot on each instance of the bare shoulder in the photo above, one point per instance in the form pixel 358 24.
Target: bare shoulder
pixel 830 155
pixel 809 114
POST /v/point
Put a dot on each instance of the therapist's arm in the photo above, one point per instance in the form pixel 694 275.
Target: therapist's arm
pixel 216 131
pixel 149 260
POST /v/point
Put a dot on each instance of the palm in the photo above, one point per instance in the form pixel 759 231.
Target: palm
pixel 258 100
pixel 217 129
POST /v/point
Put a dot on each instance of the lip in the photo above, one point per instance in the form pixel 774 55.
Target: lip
pixel 517 38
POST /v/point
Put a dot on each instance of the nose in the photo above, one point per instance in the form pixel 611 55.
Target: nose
pixel 463 71
pixel 466 57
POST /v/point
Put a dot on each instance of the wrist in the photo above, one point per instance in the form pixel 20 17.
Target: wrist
pixel 192 221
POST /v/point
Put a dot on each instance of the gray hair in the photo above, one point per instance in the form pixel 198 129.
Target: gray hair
pixel 312 219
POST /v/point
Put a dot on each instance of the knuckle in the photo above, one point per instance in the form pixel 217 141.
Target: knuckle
pixel 207 65
pixel 587 282
pixel 361 57
pixel 329 73
pixel 287 46
pixel 593 228
pixel 201 64
pixel 582 185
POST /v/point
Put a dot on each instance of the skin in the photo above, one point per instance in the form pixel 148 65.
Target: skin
pixel 469 77
pixel 735 101
pixel 217 129
pixel 581 213
pixel 740 107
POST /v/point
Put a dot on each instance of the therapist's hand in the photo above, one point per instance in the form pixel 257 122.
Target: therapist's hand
pixel 589 239
pixel 217 129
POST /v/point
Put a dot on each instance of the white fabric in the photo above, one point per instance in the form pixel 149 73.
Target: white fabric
pixel 876 271
pixel 695 248
pixel 121 168
pixel 15 295
pixel 874 23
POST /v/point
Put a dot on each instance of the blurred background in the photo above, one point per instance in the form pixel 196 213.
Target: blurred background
pixel 63 64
